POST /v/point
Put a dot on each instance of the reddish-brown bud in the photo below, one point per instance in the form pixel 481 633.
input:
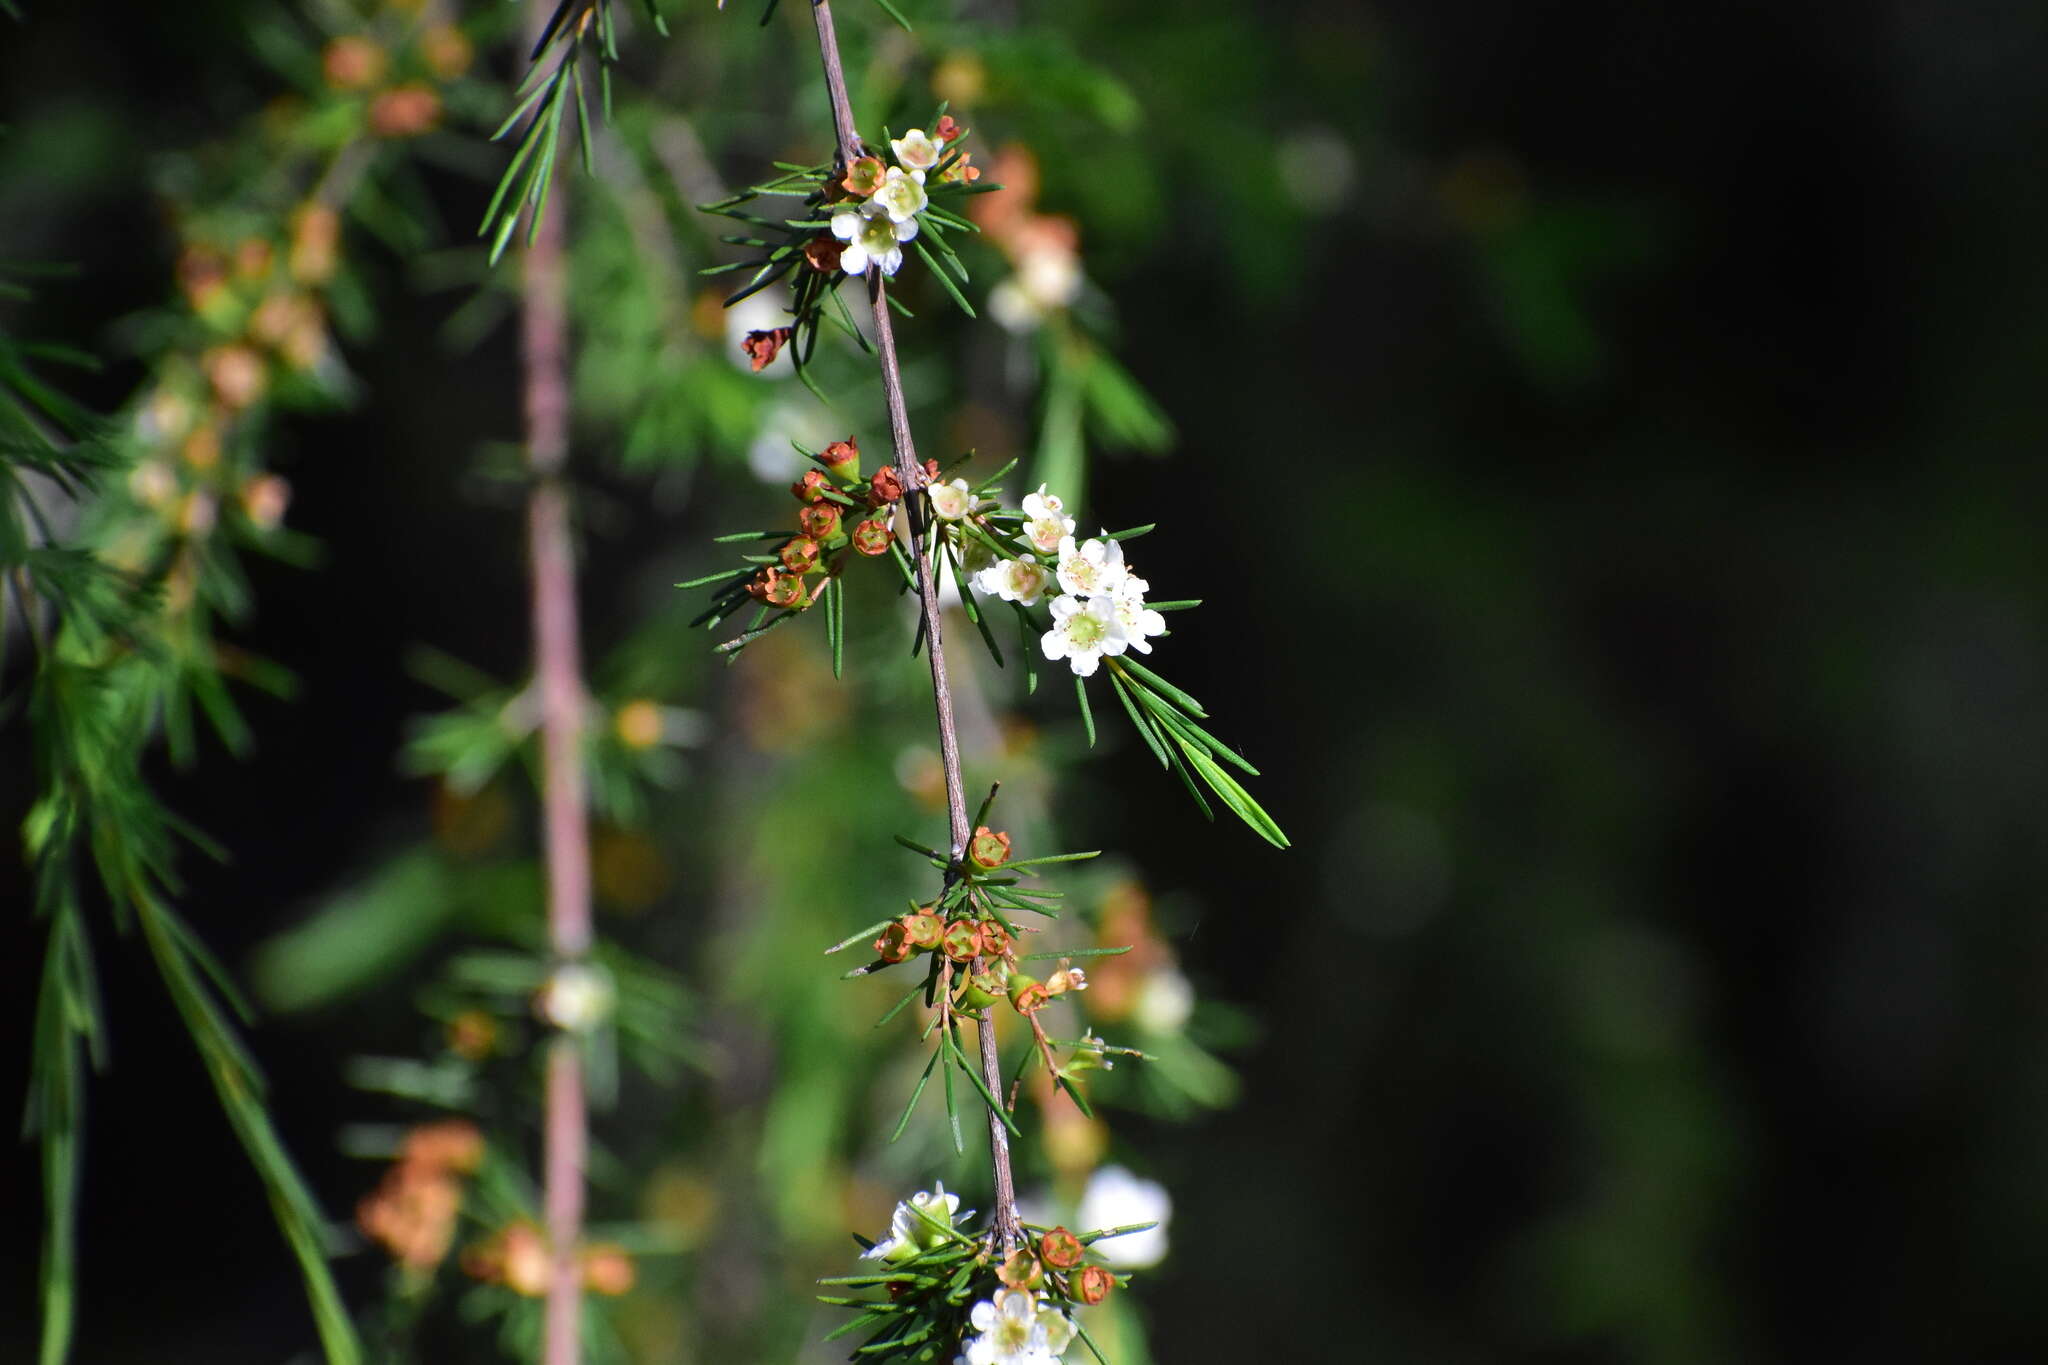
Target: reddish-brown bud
pixel 607 1269
pixel 842 457
pixel 404 111
pixel 822 254
pixel 873 537
pixel 800 556
pixel 948 129
pixel 820 520
pixel 1092 1283
pixel 352 63
pixel 1060 1249
pixel 763 347
pixel 895 944
pixel 988 848
pixel 962 940
pixel 865 176
pixel 931 469
pixel 925 928
pixel 885 486
pixel 1021 1270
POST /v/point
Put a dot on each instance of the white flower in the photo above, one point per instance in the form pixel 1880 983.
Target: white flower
pixel 950 501
pixel 871 237
pixel 902 195
pixel 1045 530
pixel 1115 1198
pixel 1041 505
pixel 916 152
pixel 1164 1002
pixel 1091 569
pixel 576 998
pixel 1016 1329
pixel 1137 619
pixel 1014 580
pixel 912 1228
pixel 1045 280
pixel 1082 632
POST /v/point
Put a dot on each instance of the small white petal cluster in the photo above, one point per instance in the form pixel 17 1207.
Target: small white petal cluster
pixel 1016 1327
pixel 917 1225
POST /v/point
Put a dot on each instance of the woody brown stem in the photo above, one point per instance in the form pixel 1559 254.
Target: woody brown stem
pixel 913 478
pixel 558 684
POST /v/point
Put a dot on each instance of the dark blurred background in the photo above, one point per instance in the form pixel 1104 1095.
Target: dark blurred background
pixel 1613 464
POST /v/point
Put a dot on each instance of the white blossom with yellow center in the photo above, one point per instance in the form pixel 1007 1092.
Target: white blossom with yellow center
pixel 901 194
pixel 1014 580
pixel 916 152
pixel 1137 619
pixel 1082 632
pixel 1016 1328
pixel 1092 569
pixel 871 237
pixel 950 501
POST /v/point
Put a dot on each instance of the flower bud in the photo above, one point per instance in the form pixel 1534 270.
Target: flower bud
pixel 822 255
pixel 962 940
pixel 446 50
pixel 819 520
pixel 884 486
pixel 404 111
pixel 895 944
pixel 639 723
pixel 265 500
pixel 995 939
pixel 925 928
pixel 842 458
pixel 800 556
pixel 873 537
pixel 1060 1249
pixel 811 487
pixel 608 1269
pixel 1021 1270
pixel 988 848
pixel 1092 1283
pixel 352 63
pixel 948 129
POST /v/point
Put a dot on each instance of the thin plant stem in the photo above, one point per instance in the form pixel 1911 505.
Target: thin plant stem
pixel 1006 1222
pixel 558 679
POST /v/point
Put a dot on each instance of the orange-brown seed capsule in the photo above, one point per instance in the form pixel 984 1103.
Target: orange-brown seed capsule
pixel 988 848
pixel 1060 1249
pixel 819 521
pixel 962 940
pixel 1092 1283
pixel 873 537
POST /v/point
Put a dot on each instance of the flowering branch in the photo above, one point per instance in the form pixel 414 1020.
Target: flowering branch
pixel 544 328
pixel 912 476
